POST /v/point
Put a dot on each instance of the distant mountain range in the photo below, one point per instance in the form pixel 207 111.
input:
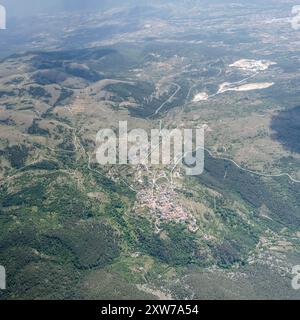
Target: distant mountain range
pixel 33 7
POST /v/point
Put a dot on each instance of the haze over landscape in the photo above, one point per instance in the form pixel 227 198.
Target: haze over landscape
pixel 71 228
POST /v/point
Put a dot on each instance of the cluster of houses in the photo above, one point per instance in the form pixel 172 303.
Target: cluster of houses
pixel 161 203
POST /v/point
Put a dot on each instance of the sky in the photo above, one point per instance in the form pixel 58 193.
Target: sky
pixel 33 7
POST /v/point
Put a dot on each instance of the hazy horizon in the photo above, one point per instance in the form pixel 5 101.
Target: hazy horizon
pixel 33 7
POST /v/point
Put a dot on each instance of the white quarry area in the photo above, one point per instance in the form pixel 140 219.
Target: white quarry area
pixel 202 96
pixel 226 86
pixel 252 65
pixel 248 65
